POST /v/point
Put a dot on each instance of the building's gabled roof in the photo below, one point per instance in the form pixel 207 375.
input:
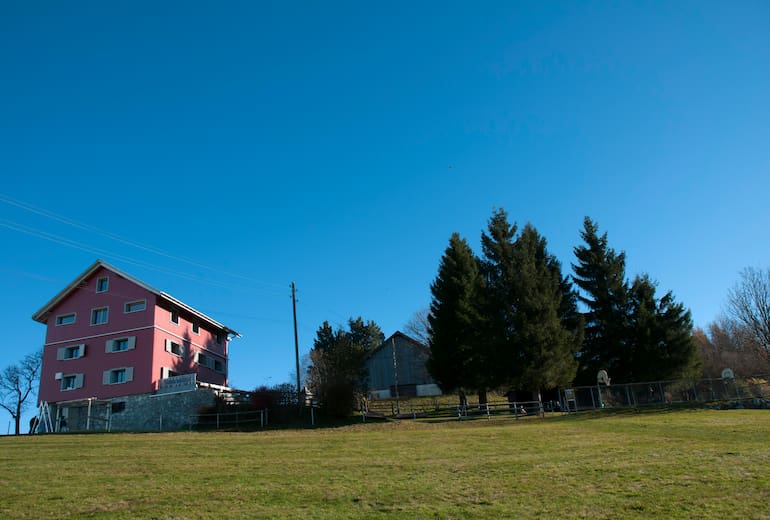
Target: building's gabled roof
pixel 42 315
pixel 399 334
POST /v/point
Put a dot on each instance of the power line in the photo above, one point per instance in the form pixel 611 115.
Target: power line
pixel 112 236
pixel 102 252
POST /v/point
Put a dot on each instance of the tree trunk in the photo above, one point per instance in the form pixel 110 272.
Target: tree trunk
pixel 482 397
pixel 17 417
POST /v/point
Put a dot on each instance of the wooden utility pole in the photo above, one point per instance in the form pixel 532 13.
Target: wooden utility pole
pixel 395 374
pixel 296 341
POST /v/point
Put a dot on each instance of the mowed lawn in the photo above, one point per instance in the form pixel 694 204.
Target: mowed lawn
pixel 686 464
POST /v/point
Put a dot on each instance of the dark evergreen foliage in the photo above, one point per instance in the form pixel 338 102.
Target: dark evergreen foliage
pixel 661 341
pixel 628 331
pixel 536 328
pixel 456 359
pixel 338 371
pixel 600 274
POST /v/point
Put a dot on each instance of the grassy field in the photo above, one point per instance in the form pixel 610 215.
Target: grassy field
pixel 683 464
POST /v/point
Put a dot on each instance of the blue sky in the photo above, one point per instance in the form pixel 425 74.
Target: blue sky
pixel 245 145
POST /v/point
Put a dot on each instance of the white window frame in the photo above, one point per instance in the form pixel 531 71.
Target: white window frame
pixel 174 317
pixel 94 312
pixel 106 280
pixel 61 352
pixel 196 328
pixel 127 306
pixel 77 382
pixel 110 345
pixel 59 323
pixel 166 372
pixel 170 348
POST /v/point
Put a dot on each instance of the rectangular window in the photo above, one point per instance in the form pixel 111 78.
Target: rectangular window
pixel 136 306
pixel 167 372
pixel 71 352
pixel 118 407
pixel 196 328
pixel 175 348
pixel 219 366
pixel 175 317
pixel 219 338
pixel 100 316
pixel 102 284
pixel 118 376
pixel 65 319
pixel 203 359
pixel 71 381
pixel 120 344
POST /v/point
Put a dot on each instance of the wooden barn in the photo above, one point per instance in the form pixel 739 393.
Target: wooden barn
pixel 400 360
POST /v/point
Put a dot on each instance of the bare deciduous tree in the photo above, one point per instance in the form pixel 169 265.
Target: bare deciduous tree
pixel 418 326
pixel 17 383
pixel 748 305
pixel 725 346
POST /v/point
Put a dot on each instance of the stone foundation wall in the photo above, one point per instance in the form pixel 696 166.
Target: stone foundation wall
pixel 144 412
pixel 160 412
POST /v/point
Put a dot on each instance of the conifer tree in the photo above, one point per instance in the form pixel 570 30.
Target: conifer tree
pixel 628 331
pixel 456 345
pixel 545 346
pixel 600 274
pixel 534 328
pixel 661 340
pixel 498 268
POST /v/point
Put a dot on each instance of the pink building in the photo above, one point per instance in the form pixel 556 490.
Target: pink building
pixel 110 336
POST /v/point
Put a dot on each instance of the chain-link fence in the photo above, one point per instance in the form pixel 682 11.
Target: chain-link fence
pixel 665 393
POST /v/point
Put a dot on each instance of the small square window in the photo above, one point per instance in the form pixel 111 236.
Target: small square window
pixel 219 366
pixel 102 284
pixel 175 317
pixel 196 328
pixel 100 316
pixel 69 382
pixel 118 376
pixel 136 306
pixel 65 319
pixel 175 348
pixel 118 407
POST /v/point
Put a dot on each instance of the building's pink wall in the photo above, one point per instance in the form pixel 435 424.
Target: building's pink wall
pixel 96 360
pixel 151 328
pixel 203 341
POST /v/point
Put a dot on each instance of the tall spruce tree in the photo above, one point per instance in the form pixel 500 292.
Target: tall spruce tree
pixel 457 353
pixel 534 328
pixel 600 273
pixel 544 344
pixel 628 331
pixel 661 340
pixel 498 267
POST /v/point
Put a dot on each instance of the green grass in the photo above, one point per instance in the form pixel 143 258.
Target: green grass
pixel 686 464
